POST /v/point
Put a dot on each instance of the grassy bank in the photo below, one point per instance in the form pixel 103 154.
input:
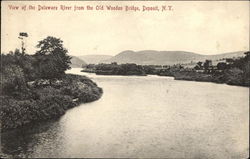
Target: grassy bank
pixel 46 99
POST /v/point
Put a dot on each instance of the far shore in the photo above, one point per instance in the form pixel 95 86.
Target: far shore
pixel 186 76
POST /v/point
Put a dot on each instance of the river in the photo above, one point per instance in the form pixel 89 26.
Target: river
pixel 143 116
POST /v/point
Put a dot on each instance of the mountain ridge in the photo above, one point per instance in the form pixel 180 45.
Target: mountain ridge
pixel 76 62
pixel 153 57
pixel 94 59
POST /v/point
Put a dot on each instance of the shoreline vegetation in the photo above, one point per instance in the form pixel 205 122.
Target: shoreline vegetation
pixel 35 88
pixel 47 100
pixel 231 71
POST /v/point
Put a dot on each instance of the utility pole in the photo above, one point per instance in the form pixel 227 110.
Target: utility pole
pixel 22 36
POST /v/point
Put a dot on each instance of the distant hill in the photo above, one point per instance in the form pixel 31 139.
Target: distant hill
pixel 152 57
pixel 225 55
pixel 77 62
pixel 94 59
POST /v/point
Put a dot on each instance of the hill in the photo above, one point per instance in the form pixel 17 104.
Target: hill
pixel 152 57
pixel 77 62
pixel 224 55
pixel 94 59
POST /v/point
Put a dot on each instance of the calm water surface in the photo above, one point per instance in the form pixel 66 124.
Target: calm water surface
pixel 148 116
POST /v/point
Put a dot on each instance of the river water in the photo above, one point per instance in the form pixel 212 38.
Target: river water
pixel 143 116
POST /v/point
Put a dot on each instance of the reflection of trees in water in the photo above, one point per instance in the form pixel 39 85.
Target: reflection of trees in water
pixel 24 142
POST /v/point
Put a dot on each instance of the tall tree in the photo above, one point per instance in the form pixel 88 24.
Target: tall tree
pixel 51 58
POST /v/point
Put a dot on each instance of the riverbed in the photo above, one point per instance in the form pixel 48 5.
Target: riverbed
pixel 143 116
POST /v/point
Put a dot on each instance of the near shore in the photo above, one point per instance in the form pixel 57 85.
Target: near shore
pixel 47 100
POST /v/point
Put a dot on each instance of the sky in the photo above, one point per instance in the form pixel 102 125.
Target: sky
pixel 202 27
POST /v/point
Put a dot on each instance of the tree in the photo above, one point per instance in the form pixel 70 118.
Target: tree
pixel 222 66
pixel 51 58
pixel 246 68
pixel 198 65
pixel 207 64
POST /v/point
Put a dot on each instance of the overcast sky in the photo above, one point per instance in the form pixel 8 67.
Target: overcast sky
pixel 201 27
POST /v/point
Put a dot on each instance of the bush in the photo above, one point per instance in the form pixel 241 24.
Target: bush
pixel 12 79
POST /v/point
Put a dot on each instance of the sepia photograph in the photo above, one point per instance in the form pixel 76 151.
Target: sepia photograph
pixel 124 79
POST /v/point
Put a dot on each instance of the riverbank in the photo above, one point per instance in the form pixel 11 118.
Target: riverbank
pixel 229 77
pixel 226 78
pixel 46 100
pixel 111 73
pixel 234 72
pixel 120 74
pixel 115 69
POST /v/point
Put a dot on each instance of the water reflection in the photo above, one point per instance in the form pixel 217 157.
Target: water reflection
pixel 25 142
